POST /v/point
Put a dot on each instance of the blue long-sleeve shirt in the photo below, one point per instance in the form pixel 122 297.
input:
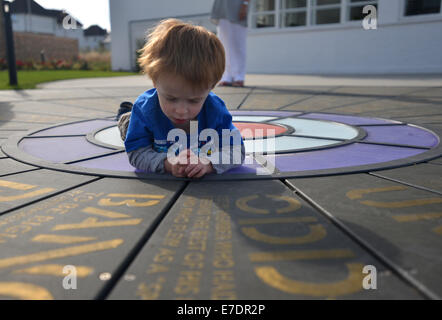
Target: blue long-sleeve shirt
pixel 146 138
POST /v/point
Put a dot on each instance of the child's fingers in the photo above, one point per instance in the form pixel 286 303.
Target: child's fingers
pixel 194 171
pixel 200 174
pixel 189 168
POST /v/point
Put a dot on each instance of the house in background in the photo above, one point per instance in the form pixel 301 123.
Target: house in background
pixel 94 38
pixel 304 36
pixel 29 17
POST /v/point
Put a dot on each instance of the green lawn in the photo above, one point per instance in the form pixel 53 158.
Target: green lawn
pixel 29 79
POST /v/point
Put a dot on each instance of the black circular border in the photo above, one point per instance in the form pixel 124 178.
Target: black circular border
pixel 11 149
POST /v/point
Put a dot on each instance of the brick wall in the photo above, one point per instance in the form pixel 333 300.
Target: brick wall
pixel 29 45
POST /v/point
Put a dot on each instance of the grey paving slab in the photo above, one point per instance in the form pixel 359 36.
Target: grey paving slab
pixel 437 161
pixel 93 228
pixel 5 134
pixel 326 101
pixel 429 92
pixel 2 155
pixel 45 108
pixel 421 119
pixel 270 101
pixel 108 105
pixel 22 188
pixel 48 94
pixel 421 175
pixel 300 89
pixel 120 92
pixel 378 91
pixel 399 222
pixel 408 112
pixel 9 166
pixel 393 107
pixel 251 241
pixel 234 100
pixel 231 90
pixel 32 118
pixel 10 95
pixel 23 126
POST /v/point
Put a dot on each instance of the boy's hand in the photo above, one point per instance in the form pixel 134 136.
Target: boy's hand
pixel 189 165
pixel 178 166
pixel 199 169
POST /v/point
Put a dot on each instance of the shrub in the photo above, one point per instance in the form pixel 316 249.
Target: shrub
pixel 97 61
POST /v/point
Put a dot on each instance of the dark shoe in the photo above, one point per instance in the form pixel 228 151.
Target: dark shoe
pixel 124 108
pixel 225 84
pixel 238 84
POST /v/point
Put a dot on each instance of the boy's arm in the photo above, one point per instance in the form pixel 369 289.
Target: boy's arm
pixel 147 159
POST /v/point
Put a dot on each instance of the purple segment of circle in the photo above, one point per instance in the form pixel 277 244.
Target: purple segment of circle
pixel 120 162
pixel 352 155
pixel 351 120
pixel 60 149
pixel 84 127
pixel 407 135
pixel 264 113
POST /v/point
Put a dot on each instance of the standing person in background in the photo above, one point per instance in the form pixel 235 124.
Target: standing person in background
pixel 230 16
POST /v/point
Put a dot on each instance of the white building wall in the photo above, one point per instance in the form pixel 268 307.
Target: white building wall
pixel 125 13
pixel 399 44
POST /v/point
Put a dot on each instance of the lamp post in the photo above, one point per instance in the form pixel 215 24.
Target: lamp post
pixel 9 37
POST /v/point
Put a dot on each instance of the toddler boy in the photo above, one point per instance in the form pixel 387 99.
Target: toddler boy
pixel 185 62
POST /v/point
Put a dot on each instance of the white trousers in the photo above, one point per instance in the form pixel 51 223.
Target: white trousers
pixel 233 36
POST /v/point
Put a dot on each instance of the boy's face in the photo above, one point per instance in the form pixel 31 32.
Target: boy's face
pixel 179 100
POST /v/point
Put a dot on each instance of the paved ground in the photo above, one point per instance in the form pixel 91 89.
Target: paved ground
pixel 275 239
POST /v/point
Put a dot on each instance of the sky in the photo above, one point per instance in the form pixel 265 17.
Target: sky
pixel 88 12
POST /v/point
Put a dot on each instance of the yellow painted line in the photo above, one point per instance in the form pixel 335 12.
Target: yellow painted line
pixel 277 220
pixel 353 283
pixel 105 213
pixel 358 193
pixel 52 238
pixel 15 185
pixel 417 217
pixel 54 270
pixel 241 203
pixel 402 204
pixel 438 230
pixel 300 255
pixel 60 253
pixel 92 223
pixel 24 291
pixel 293 203
pixel 140 196
pixel 26 195
pixel 317 232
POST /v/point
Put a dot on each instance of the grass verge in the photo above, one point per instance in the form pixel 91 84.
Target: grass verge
pixel 30 79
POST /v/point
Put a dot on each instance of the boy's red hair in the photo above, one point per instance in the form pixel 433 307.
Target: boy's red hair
pixel 190 51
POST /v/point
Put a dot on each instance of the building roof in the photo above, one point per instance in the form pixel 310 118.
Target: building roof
pixel 30 6
pixel 95 30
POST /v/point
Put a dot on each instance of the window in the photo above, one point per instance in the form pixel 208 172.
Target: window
pixel 264 14
pixel 417 7
pixel 326 11
pixel 355 9
pixel 283 14
pixel 294 13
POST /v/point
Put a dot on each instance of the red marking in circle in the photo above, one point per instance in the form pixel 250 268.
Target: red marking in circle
pixel 254 133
